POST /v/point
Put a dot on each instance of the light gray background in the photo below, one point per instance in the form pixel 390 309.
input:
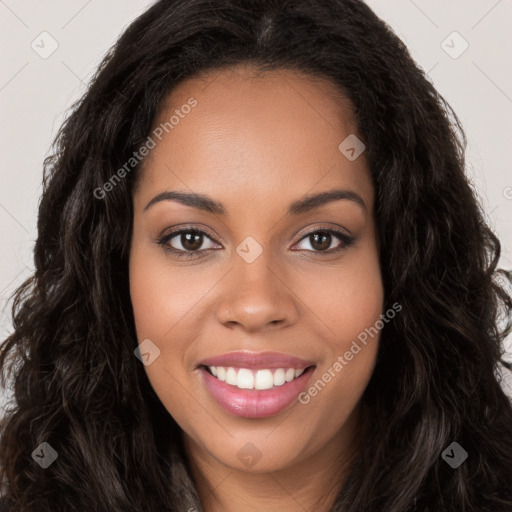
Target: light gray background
pixel 35 93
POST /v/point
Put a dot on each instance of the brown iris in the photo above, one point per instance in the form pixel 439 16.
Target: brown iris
pixel 191 241
pixel 320 240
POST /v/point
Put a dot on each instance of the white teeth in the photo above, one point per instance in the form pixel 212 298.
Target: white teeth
pixel 231 376
pixel 279 378
pixel 264 379
pixel 244 378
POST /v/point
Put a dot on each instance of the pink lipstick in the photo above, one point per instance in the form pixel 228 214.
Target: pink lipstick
pixel 255 384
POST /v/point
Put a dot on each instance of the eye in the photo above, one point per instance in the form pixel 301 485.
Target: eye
pixel 186 242
pixel 324 240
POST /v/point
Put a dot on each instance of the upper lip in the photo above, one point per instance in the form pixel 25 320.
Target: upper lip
pixel 257 360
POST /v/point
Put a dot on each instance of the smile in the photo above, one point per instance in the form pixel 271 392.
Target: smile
pixel 255 385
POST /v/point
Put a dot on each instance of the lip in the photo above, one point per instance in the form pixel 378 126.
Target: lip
pixel 257 360
pixel 253 403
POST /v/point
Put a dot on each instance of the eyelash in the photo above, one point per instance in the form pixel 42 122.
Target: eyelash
pixel 346 241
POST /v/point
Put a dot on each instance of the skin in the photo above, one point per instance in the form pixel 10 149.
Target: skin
pixel 257 143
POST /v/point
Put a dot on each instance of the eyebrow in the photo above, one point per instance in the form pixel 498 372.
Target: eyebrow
pixel 207 204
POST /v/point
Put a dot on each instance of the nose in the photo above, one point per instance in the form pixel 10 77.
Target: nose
pixel 257 296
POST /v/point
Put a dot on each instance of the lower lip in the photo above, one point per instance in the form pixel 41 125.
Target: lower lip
pixel 255 403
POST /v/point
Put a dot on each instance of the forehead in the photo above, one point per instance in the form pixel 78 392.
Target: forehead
pixel 254 135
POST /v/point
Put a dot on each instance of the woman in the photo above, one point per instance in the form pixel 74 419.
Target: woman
pixel 262 281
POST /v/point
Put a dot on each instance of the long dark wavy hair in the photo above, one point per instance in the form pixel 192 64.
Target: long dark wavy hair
pixel 76 382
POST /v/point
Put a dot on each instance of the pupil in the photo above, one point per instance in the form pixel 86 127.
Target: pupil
pixel 191 241
pixel 321 240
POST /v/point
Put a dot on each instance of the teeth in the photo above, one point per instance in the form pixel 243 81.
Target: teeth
pixel 279 378
pixel 264 379
pixel 231 376
pixel 243 378
pixel 221 373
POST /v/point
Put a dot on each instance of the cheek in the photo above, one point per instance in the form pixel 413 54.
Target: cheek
pixel 349 304
pixel 164 300
pixel 157 307
pixel 159 301
pixel 349 298
pixel 161 295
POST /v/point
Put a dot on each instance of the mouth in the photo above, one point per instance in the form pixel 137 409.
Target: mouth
pixel 255 385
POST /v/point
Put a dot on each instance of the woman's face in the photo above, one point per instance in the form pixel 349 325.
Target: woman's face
pixel 262 290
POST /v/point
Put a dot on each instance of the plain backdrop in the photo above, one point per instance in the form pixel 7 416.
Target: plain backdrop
pixel 50 49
